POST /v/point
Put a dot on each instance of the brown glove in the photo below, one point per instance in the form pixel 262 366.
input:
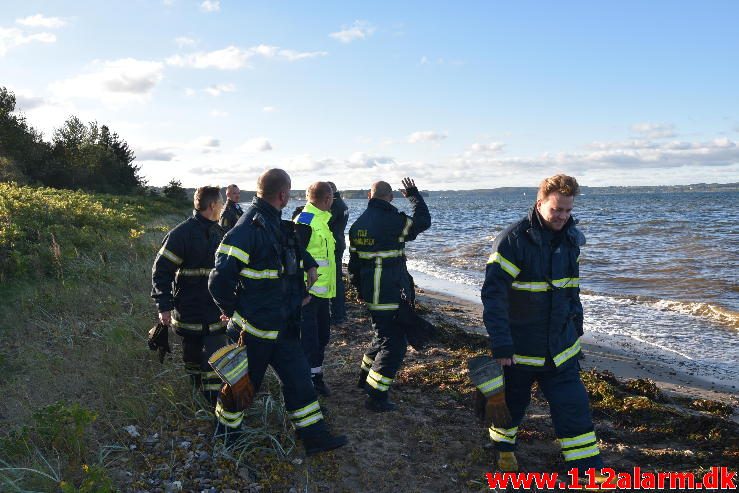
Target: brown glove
pixel 239 396
pixel 496 411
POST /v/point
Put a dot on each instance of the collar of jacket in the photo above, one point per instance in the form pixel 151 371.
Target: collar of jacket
pixel 202 219
pixel 536 227
pixel 381 204
pixel 267 209
pixel 317 213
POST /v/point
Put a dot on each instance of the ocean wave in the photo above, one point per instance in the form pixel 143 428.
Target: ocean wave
pixel 718 314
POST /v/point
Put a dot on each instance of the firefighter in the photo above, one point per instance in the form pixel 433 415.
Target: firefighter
pixel 533 314
pixel 377 266
pixel 337 223
pixel 317 241
pixel 258 285
pixel 180 288
pixel 232 210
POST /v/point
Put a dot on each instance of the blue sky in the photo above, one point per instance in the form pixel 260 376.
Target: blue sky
pixel 458 95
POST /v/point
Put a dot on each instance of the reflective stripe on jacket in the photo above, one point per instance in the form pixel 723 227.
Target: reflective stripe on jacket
pixel 180 276
pixel 258 278
pixel 377 251
pixel 321 246
pixel 531 293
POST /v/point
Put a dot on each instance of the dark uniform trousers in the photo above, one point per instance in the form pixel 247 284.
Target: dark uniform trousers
pixel 569 408
pixel 195 353
pixel 286 357
pixel 385 355
pixel 338 303
pixel 315 330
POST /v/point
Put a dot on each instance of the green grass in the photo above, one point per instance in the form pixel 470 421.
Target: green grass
pixel 74 271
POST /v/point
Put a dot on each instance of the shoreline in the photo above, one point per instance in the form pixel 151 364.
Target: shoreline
pixel 619 355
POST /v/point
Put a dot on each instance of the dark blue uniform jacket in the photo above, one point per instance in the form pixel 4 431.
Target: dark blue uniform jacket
pixel 377 251
pixel 531 294
pixel 180 276
pixel 258 276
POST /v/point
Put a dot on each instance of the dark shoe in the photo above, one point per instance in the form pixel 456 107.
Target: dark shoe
pixel 320 385
pixel 323 443
pixel 362 379
pixel 380 406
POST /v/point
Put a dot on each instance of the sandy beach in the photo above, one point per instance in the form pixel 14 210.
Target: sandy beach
pixel 623 357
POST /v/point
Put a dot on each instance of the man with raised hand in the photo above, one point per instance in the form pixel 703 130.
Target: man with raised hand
pixel 533 314
pixel 258 285
pixel 377 265
pixel 337 223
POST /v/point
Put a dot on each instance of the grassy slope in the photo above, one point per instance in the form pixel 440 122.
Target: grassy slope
pixel 73 319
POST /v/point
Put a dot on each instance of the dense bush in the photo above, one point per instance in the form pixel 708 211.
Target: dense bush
pixel 40 228
pixel 80 156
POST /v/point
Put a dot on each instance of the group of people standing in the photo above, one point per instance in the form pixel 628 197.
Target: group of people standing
pixel 276 286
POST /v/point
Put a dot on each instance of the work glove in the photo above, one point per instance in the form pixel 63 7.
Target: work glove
pixel 487 374
pixel 159 340
pixel 239 396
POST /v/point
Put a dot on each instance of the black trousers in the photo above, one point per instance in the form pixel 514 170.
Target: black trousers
pixel 385 355
pixel 195 353
pixel 315 331
pixel 338 303
pixel 569 407
pixel 287 359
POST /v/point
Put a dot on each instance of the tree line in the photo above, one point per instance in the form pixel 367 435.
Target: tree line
pixel 79 156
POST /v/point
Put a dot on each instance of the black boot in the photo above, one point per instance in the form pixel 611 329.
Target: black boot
pixel 320 385
pixel 362 379
pixel 323 443
pixel 380 405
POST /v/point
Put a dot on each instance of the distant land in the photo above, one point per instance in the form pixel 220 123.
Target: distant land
pixel 246 195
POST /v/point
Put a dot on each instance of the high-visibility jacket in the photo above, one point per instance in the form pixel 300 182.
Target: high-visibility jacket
pixel 531 294
pixel 320 245
pixel 377 251
pixel 258 276
pixel 180 272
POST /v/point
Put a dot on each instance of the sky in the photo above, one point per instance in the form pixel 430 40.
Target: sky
pixel 458 95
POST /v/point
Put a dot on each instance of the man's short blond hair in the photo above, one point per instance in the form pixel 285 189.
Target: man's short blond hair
pixel 318 191
pixel 566 185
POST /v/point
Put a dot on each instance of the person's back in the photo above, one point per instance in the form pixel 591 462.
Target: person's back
pixel 378 271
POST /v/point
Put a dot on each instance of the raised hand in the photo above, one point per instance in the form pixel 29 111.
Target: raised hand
pixel 409 186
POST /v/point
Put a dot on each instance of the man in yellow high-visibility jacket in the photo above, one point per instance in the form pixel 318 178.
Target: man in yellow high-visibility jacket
pixel 317 240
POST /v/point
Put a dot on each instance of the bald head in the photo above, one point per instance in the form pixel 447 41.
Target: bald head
pixel 272 182
pixel 273 186
pixel 381 190
pixel 318 191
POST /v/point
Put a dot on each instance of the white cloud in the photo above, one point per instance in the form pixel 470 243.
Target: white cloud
pixel 489 148
pixel 232 57
pixel 654 130
pixel 269 109
pixel 426 136
pixel 184 41
pixel 257 144
pixel 27 102
pixel 210 6
pixel 40 20
pixel 154 154
pixel 218 89
pixel 207 141
pixel 189 92
pixel 11 37
pixel 113 82
pixel 218 114
pixel 358 30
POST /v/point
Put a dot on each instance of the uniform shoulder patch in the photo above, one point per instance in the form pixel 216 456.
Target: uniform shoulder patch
pixel 305 218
